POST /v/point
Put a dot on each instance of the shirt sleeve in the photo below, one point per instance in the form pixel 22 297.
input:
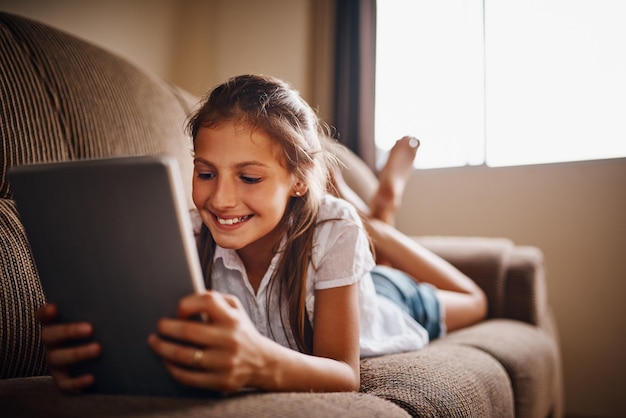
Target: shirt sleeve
pixel 341 255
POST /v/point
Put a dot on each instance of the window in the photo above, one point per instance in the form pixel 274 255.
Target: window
pixel 502 82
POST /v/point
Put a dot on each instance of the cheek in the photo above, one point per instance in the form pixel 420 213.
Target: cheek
pixel 198 192
pixel 279 203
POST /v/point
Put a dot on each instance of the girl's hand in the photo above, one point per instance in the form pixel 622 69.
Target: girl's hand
pixel 226 353
pixel 59 355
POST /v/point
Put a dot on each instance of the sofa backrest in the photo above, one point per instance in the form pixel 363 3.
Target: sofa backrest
pixel 62 98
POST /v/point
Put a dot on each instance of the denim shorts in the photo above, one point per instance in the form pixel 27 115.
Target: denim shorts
pixel 419 300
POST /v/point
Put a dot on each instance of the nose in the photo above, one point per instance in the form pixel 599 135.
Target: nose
pixel 224 194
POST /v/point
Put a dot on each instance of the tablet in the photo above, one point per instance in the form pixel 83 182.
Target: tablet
pixel 113 244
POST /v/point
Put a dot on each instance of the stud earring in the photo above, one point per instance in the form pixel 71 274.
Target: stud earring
pixel 298 194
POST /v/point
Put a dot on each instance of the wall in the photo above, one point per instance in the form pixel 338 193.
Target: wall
pixel 222 38
pixel 140 30
pixel 574 212
pixel 193 43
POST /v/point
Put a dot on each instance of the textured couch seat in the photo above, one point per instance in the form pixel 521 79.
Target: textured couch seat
pixel 65 99
pixel 17 395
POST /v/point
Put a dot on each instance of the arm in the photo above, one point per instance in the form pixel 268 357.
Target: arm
pixel 334 365
pixel 235 355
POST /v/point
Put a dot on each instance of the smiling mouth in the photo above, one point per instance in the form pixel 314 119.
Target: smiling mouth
pixel 232 221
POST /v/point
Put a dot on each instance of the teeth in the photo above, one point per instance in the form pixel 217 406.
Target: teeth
pixel 231 221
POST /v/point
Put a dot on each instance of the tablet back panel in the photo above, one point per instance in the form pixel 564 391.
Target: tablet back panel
pixel 113 245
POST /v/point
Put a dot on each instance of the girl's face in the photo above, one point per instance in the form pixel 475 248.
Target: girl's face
pixel 240 186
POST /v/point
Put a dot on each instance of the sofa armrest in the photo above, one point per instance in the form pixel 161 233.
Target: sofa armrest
pixel 512 276
pixel 526 296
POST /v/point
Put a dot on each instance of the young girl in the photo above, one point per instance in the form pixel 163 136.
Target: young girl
pixel 293 305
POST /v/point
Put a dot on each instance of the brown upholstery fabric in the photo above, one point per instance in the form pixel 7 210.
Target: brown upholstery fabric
pixel 75 103
pixel 527 297
pixel 21 352
pixel 485 260
pixel 16 399
pixel 80 102
pixel 355 172
pixel 441 380
pixel 529 356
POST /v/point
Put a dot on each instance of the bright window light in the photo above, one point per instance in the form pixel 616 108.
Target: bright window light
pixel 502 82
pixel 429 79
pixel 556 80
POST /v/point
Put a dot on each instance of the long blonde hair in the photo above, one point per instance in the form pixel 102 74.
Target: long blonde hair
pixel 273 107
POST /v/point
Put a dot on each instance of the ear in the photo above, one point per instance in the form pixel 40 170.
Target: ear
pixel 299 189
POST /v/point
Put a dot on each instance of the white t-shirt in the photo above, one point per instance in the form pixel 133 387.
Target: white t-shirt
pixel 341 256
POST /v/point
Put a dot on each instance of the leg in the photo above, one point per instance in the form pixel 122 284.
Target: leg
pixel 393 178
pixel 392 181
pixel 464 302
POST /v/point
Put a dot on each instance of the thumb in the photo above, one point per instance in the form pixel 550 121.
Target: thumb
pixel 211 306
pixel 46 314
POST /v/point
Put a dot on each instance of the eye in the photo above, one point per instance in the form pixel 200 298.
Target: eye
pixel 205 176
pixel 250 180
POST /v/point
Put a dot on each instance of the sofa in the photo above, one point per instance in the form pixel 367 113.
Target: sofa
pixel 65 99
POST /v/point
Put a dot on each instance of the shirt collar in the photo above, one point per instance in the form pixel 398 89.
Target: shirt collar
pixel 229 257
pixel 232 261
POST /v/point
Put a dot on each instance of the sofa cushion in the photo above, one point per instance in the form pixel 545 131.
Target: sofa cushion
pixel 528 354
pixel 441 380
pixel 37 397
pixel 21 351
pixel 64 99
pixel 358 175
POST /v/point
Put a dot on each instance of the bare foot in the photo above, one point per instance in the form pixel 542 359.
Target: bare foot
pixel 393 178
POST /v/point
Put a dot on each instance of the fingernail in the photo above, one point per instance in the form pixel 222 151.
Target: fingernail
pixel 84 328
pixel 94 349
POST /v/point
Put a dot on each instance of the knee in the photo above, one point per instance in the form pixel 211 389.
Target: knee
pixel 481 305
pixel 465 309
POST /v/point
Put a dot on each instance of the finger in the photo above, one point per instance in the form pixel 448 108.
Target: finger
pixel 233 301
pixel 182 355
pixel 67 383
pixel 62 357
pixel 204 380
pixel 192 357
pixel 212 304
pixel 54 335
pixel 46 314
pixel 191 332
